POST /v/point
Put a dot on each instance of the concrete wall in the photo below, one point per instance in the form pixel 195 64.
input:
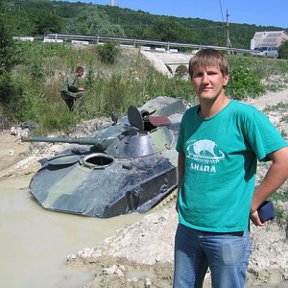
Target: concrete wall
pixel 169 64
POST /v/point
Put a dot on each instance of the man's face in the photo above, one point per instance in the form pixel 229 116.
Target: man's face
pixel 79 73
pixel 209 82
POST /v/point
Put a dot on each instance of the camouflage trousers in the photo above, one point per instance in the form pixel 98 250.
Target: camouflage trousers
pixel 73 100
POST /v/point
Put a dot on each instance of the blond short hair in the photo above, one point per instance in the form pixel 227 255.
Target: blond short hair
pixel 209 58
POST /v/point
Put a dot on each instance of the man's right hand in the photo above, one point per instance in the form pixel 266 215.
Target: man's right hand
pixel 256 220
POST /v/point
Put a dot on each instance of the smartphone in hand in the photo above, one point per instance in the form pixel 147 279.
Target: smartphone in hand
pixel 266 211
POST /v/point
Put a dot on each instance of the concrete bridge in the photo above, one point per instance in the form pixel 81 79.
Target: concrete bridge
pixel 169 64
pixel 165 60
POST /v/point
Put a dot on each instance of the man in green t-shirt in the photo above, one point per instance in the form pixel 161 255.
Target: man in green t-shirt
pixel 220 141
pixel 72 93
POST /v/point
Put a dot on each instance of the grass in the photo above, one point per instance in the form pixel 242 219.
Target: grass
pixel 112 87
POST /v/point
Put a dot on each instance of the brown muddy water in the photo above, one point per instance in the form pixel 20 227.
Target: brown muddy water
pixel 35 241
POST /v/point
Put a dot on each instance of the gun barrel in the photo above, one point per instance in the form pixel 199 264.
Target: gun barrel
pixel 77 140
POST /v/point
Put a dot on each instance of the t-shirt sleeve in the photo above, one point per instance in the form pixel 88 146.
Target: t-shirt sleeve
pixel 263 136
pixel 180 141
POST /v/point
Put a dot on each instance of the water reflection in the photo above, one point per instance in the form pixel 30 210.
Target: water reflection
pixel 35 241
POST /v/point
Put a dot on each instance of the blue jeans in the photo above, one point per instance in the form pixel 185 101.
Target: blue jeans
pixel 226 255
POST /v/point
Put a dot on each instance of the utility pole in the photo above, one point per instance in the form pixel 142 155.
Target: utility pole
pixel 229 45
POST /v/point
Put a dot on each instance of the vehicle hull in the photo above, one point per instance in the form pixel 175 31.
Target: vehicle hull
pixel 126 170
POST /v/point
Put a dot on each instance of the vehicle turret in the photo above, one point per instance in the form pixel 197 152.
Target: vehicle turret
pixel 127 166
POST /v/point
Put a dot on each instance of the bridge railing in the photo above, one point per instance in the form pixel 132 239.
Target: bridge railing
pixel 136 42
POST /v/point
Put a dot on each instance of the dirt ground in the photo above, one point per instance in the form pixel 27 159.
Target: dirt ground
pixel 12 150
pixel 141 255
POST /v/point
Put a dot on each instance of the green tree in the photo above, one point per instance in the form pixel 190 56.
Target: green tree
pixel 20 24
pixel 6 42
pixel 6 56
pixel 283 50
pixel 90 21
pixel 47 22
pixel 166 29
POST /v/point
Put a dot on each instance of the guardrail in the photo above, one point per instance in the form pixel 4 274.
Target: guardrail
pixel 136 42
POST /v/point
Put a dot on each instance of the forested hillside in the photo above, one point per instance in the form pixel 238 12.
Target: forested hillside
pixel 37 17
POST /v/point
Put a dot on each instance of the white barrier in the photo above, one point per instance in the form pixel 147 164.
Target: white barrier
pixel 173 50
pixel 145 48
pixel 23 38
pixel 160 49
pixel 79 42
pixel 49 40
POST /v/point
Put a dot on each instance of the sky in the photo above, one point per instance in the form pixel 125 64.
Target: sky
pixel 258 12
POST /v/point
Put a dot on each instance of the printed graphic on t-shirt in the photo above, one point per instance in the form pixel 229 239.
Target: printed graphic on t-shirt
pixel 205 154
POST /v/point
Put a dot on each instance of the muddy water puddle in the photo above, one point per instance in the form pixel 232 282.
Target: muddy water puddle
pixel 35 241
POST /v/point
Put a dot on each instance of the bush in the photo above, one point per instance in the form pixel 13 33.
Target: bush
pixel 243 83
pixel 5 87
pixel 283 50
pixel 108 52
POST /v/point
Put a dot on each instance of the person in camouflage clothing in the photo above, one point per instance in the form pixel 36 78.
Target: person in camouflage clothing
pixel 72 94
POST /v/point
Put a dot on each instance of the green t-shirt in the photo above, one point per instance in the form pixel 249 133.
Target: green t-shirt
pixel 220 165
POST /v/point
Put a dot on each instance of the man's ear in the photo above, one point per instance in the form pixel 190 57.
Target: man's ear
pixel 226 80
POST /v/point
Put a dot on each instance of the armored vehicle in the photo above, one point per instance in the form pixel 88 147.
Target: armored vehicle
pixel 124 167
